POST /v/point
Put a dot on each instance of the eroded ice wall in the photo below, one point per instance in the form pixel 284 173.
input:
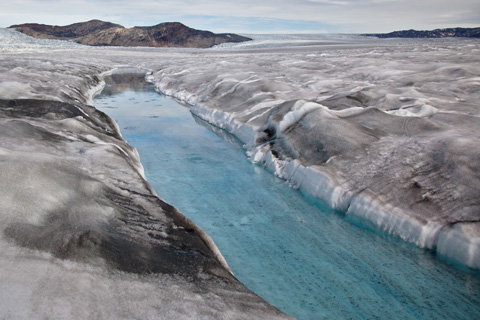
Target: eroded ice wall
pixel 386 132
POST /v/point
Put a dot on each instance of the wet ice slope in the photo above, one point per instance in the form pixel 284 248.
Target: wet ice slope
pixel 83 235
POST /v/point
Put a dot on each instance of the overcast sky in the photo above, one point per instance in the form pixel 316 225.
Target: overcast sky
pixel 253 16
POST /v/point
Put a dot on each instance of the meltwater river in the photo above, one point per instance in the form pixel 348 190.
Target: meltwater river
pixel 299 255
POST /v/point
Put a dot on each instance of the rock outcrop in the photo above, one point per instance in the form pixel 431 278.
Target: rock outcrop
pixel 437 33
pixel 100 33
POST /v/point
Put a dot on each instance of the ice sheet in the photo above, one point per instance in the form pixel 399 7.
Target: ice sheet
pixel 404 156
pixel 389 125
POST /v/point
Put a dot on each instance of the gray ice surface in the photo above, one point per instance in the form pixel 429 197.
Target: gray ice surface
pixel 386 131
pixel 82 233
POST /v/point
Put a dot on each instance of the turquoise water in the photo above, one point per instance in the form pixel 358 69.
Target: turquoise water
pixel 299 255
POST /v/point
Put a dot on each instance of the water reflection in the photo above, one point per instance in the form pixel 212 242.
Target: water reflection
pixel 124 79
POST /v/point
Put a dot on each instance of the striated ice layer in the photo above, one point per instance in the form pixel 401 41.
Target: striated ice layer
pixel 383 131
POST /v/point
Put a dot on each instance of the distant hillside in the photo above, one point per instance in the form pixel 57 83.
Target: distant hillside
pixel 437 33
pixel 101 33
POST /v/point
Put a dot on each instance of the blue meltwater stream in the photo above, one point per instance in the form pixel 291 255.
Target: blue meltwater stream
pixel 299 255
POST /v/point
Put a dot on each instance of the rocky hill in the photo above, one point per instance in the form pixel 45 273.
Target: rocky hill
pixel 101 33
pixel 437 33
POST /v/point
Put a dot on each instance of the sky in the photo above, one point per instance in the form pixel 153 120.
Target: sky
pixel 253 16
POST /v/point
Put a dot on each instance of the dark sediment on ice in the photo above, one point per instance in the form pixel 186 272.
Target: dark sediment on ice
pixel 73 188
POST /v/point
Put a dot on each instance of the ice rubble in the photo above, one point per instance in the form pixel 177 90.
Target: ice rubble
pixel 83 235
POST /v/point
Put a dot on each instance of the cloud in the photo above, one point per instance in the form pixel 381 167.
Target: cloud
pixel 354 16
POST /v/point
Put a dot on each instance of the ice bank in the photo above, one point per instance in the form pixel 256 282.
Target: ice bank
pixel 365 130
pixel 83 234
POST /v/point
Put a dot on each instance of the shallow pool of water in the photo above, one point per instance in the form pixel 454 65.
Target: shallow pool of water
pixel 299 255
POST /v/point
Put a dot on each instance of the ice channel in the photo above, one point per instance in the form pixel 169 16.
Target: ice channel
pixel 299 255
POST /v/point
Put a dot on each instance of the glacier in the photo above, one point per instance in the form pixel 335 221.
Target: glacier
pixel 385 131
pixel 83 234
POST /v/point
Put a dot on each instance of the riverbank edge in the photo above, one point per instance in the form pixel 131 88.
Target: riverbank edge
pixel 96 90
pixel 458 243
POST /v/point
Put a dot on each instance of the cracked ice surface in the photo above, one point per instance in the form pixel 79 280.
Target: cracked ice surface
pixel 383 130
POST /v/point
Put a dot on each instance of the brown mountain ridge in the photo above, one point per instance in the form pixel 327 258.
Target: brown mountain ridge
pixel 437 33
pixel 101 33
